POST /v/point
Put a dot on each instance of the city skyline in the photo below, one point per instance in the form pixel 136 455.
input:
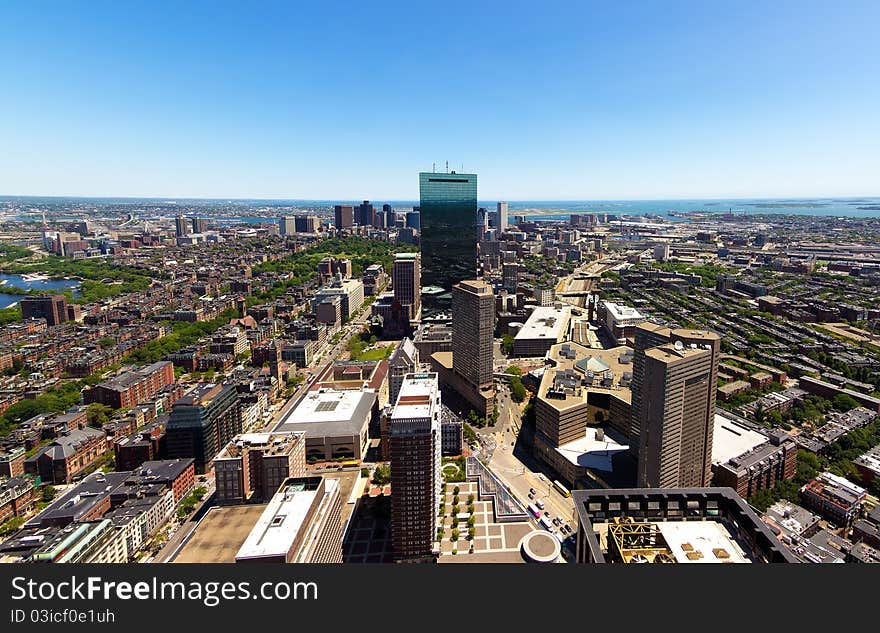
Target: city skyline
pixel 642 102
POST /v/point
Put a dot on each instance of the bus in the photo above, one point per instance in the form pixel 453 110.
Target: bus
pixel 534 511
pixel 561 489
pixel 350 462
pixel 545 522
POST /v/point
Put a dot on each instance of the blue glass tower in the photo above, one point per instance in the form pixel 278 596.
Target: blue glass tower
pixel 448 218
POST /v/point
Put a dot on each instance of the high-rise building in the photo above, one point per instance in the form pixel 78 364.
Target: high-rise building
pixel 416 444
pixel 202 422
pixel 501 215
pixel 53 308
pixel 306 223
pixel 676 414
pixel 448 217
pixel 199 225
pixel 647 335
pixel 287 225
pixel 406 279
pixel 182 226
pixel 412 219
pixel 473 322
pixel 365 214
pixel 343 215
pixel 510 276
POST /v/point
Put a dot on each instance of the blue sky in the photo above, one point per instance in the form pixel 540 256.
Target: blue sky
pixel 349 100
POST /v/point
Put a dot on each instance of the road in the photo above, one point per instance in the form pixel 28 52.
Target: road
pixel 520 471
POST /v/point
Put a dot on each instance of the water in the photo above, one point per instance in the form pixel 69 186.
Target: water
pixel 47 285
pixel 866 207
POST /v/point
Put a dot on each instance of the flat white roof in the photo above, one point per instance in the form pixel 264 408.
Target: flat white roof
pixel 709 538
pixel 620 312
pixel 589 452
pixel 418 397
pixel 546 322
pixel 730 439
pixel 326 406
pixel 281 521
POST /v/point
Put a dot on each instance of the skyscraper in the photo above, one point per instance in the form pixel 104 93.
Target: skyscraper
pixel 406 279
pixel 199 225
pixel 365 214
pixel 473 322
pixel 673 404
pixel 416 444
pixel 306 223
pixel 343 216
pixel 676 432
pixel 287 225
pixel 181 226
pixel 202 422
pixel 501 216
pixel 448 218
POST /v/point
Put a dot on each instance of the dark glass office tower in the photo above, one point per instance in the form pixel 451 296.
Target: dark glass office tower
pixel 448 205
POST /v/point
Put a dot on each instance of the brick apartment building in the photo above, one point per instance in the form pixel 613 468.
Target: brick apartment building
pixel 132 387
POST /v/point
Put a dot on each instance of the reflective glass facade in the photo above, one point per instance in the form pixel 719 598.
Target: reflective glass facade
pixel 448 228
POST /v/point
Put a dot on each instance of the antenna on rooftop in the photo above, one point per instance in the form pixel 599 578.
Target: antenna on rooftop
pixel 447 167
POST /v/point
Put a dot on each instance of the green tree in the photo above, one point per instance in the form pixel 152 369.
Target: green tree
pixel 98 414
pixel 844 402
pixel 517 390
pixel 507 344
pixel 382 475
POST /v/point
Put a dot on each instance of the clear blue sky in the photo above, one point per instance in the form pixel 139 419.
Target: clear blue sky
pixel 349 100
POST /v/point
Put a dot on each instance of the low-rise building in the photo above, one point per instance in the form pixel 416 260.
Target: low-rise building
pixel 67 456
pixel 301 524
pixel 253 465
pixel 833 497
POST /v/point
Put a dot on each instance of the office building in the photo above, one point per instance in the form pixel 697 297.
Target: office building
pixel 413 220
pixel 343 216
pixel 253 466
pixel 182 226
pixel 301 524
pixel 306 223
pixel 365 214
pixel 335 422
pixel 678 526
pixel 287 225
pixel 501 217
pixel 473 323
pixel 619 320
pixel 199 225
pixel 677 416
pixel 662 251
pixel 545 327
pixel 416 445
pixel 448 208
pixel 202 422
pixel 406 279
pixel 53 308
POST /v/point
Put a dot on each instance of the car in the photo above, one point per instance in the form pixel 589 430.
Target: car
pixel 547 514
pixel 531 491
pixel 531 495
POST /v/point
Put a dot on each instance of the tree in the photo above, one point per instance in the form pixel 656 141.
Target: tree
pixel 507 344
pixel 98 414
pixel 454 536
pixel 517 390
pixel 844 402
pixel 513 370
pixel 48 493
pixel 382 475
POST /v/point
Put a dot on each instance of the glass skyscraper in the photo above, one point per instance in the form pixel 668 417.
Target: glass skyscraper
pixel 448 207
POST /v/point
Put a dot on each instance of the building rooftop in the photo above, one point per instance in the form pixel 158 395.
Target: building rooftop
pixel 272 443
pixel 731 439
pixel 279 527
pixel 328 411
pixel 620 312
pixel 419 397
pixel 547 322
pixel 594 450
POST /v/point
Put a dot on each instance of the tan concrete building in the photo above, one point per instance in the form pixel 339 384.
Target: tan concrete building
pixel 253 465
